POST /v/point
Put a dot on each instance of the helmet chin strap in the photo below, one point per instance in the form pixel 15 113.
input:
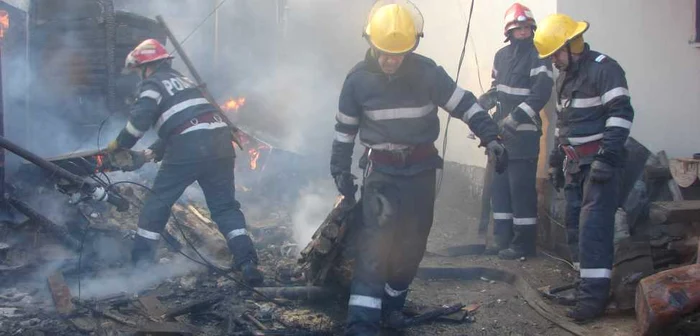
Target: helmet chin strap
pixel 569 56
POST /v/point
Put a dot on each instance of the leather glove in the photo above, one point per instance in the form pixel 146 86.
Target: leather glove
pixel 157 151
pixel 488 99
pixel 345 182
pixel 509 126
pixel 126 160
pixel 498 153
pixel 601 172
pixel 112 146
pixel 556 178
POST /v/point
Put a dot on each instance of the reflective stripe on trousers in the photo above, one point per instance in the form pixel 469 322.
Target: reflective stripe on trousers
pixel 514 204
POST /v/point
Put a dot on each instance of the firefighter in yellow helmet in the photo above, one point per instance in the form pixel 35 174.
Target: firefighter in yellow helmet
pixel 594 117
pixel 391 100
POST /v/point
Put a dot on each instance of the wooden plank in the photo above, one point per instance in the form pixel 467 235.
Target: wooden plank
pixel 678 211
pixel 61 294
pixel 154 308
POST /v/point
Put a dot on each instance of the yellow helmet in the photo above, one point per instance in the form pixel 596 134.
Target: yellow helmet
pixel 394 27
pixel 555 31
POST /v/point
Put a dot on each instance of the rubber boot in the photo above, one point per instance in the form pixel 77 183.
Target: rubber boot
pixel 251 274
pixel 510 254
pixel 499 243
pixel 144 251
pixel 585 312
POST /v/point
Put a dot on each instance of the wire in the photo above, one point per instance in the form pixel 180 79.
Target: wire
pixel 206 262
pixel 560 259
pixel 449 117
pixel 203 21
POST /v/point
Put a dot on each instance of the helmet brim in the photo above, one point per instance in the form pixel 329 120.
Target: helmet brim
pixel 581 27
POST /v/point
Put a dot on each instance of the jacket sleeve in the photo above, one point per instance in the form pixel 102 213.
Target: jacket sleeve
pixel 347 124
pixel 541 84
pixel 462 104
pixel 615 97
pixel 144 113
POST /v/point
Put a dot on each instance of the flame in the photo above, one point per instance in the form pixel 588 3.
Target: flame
pixel 100 162
pixel 4 23
pixel 254 154
pixel 233 104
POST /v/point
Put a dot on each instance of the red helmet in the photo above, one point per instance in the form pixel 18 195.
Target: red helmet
pixel 146 52
pixel 517 14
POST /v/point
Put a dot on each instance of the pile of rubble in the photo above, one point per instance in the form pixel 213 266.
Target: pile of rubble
pixel 66 271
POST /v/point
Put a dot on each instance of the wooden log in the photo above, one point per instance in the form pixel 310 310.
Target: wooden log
pixel 322 245
pixel 199 215
pixel 331 231
pixel 665 297
pixel 678 211
pixel 198 232
pixel 685 171
pixel 672 185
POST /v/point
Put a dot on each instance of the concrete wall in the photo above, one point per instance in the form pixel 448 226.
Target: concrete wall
pixel 445 25
pixel 650 40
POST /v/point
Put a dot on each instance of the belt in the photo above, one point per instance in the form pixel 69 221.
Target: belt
pixel 402 158
pixel 209 117
pixel 585 150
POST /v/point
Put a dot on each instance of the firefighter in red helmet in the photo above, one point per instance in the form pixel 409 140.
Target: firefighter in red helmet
pixel 194 145
pixel 522 84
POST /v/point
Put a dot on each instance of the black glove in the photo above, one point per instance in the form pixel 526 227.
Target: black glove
pixel 498 153
pixel 488 99
pixel 556 178
pixel 345 182
pixel 556 158
pixel 601 172
pixel 158 149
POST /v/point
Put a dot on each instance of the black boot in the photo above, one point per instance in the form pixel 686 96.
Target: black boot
pixel 499 244
pixel 585 312
pixel 144 251
pixel 251 274
pixel 511 254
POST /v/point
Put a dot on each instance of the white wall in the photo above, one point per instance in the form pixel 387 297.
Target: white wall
pixel 650 40
pixel 445 25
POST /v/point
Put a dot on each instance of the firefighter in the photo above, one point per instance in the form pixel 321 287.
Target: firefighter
pixel 522 84
pixel 594 117
pixel 194 144
pixel 391 99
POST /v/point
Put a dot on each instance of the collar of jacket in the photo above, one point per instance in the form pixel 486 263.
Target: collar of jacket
pixel 583 59
pixel 373 65
pixel 522 46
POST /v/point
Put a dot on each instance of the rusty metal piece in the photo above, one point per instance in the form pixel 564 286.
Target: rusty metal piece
pixel 663 298
pixel 254 321
pixel 154 308
pixel 61 294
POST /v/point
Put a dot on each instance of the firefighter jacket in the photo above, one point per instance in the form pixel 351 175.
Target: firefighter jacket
pixel 593 104
pixel 166 101
pixel 523 85
pixel 399 111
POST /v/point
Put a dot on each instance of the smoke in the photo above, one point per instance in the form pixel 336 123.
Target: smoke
pixel 134 280
pixel 312 207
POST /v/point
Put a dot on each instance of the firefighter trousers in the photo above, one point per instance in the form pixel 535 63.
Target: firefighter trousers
pixel 514 204
pixel 398 215
pixel 592 206
pixel 216 179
